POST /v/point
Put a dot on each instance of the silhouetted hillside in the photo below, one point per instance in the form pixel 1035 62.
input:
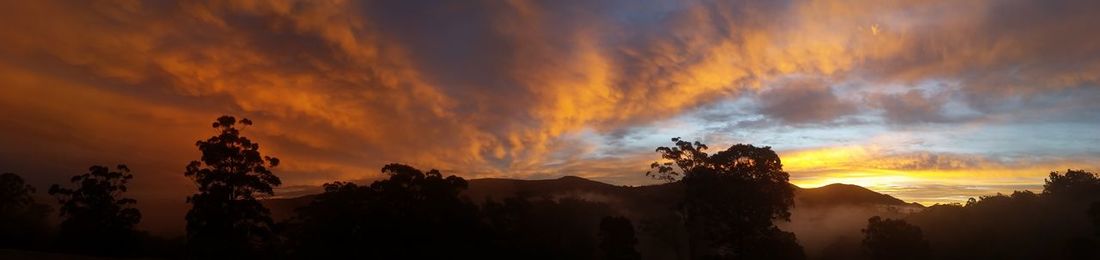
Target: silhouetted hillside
pixel 624 196
pixel 837 194
pixel 823 218
pixel 481 189
pixel 828 219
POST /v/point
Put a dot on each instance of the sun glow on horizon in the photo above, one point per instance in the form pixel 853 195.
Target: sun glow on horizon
pixel 916 177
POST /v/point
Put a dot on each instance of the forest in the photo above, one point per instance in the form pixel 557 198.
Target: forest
pixel 736 203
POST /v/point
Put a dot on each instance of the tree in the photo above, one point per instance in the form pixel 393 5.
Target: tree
pixel 730 199
pixel 545 227
pixel 894 239
pixel 617 239
pixel 331 223
pixel 97 219
pixel 413 214
pixel 1073 184
pixel 22 220
pixel 226 219
pixel 14 193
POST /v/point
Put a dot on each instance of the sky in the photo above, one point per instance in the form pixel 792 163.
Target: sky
pixel 928 101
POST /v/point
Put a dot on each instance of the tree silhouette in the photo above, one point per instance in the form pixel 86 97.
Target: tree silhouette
pixel 97 219
pixel 894 239
pixel 730 199
pixel 226 219
pixel 332 223
pixel 22 221
pixel 544 227
pixel 617 239
pixel 413 214
pixel 14 193
pixel 1073 184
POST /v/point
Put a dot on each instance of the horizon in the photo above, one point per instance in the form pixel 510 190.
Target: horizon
pixel 695 129
pixel 927 101
pixel 300 191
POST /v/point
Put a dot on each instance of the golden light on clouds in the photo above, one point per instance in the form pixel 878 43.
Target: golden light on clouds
pixel 906 174
pixel 541 89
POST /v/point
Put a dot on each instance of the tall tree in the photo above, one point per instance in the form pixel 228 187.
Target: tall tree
pixel 617 239
pixel 894 239
pixel 22 220
pixel 226 219
pixel 97 219
pixel 731 199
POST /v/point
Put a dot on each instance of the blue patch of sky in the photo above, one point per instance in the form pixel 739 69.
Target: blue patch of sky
pixel 734 120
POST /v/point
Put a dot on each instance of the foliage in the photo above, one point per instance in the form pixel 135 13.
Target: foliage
pixel 14 193
pixel 525 227
pixel 730 198
pixel 1074 184
pixel 97 219
pixel 894 239
pixel 1021 225
pixel 617 239
pixel 22 220
pixel 413 214
pixel 226 219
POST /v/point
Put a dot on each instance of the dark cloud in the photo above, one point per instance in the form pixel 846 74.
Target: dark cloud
pixel 933 161
pixel 998 51
pixel 804 102
pixel 496 88
pixel 913 106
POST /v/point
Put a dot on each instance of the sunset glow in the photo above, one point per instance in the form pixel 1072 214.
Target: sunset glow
pixel 928 101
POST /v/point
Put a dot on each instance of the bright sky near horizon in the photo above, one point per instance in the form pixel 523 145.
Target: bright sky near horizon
pixel 929 101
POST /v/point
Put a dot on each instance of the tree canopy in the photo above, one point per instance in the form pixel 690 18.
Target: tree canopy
pixel 1073 184
pixel 731 199
pixel 617 239
pixel 542 227
pixel 14 193
pixel 225 219
pixel 97 218
pixel 22 220
pixel 412 214
pixel 894 239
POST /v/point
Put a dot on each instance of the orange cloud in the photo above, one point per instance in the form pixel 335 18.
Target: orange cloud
pixel 491 88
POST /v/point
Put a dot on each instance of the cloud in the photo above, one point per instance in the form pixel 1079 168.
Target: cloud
pixel 913 106
pixel 803 103
pixel 500 88
pixel 905 172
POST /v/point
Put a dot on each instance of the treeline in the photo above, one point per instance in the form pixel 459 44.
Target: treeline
pixel 411 215
pixel 1061 222
pixel 726 207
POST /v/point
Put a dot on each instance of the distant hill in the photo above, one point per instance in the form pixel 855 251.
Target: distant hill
pixel 629 198
pixel 824 218
pixel 837 193
pixel 165 216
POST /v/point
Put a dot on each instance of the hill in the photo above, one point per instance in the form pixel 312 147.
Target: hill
pixel 626 197
pixel 823 219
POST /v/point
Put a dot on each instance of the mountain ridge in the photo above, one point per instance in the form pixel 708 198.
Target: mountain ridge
pixel 482 189
pixel 162 216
